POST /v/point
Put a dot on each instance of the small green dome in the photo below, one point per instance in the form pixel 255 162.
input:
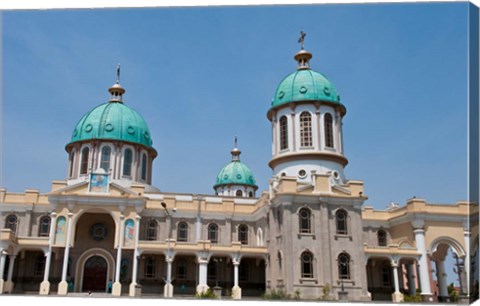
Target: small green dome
pixel 114 121
pixel 235 173
pixel 305 84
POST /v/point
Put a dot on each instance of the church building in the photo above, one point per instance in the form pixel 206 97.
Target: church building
pixel 106 229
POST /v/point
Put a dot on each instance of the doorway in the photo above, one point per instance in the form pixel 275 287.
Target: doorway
pixel 95 274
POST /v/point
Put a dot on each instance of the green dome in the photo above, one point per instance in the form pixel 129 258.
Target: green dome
pixel 113 121
pixel 235 173
pixel 305 84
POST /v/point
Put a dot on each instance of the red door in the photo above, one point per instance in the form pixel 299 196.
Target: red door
pixel 95 274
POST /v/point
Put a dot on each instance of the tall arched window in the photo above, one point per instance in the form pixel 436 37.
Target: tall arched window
pixel 213 233
pixel 344 266
pixel 307 264
pixel 243 234
pixel 304 218
pixel 150 266
pixel 144 167
pixel 105 159
pixel 328 125
pixel 283 133
pixel 341 219
pixel 279 258
pixel 11 222
pixel 182 232
pixel 239 193
pixel 72 159
pixel 305 129
pixel 84 162
pixel 151 230
pixel 382 238
pixel 44 227
pixel 127 162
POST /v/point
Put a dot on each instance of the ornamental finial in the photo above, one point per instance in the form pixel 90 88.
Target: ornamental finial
pixel 118 73
pixel 301 39
pixel 235 151
pixel 235 144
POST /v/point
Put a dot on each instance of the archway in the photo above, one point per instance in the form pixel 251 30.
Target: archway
pixel 95 274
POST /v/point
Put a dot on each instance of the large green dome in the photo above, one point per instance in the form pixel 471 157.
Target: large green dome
pixel 235 173
pixel 113 121
pixel 303 85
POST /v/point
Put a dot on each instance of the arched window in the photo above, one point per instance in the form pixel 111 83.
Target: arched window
pixel 304 218
pixel 213 233
pixel 328 125
pixel 283 133
pixel 305 129
pixel 181 269
pixel 39 265
pixel 243 234
pixel 239 193
pixel 84 163
pixel 344 266
pixel 382 238
pixel 72 159
pixel 144 167
pixel 11 222
pixel 150 265
pixel 152 230
pixel 307 264
pixel 250 194
pixel 279 258
pixel 341 218
pixel 105 159
pixel 127 162
pixel 259 237
pixel 182 232
pixel 44 227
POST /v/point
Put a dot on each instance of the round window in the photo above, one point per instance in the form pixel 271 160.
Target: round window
pixel 303 89
pixel 88 128
pixel 98 231
pixel 302 173
pixel 108 127
pixel 336 175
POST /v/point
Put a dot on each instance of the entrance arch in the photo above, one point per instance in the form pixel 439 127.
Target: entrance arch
pixel 81 263
pixel 95 274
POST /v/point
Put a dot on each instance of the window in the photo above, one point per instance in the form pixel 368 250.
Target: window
pixel 152 230
pixel 341 216
pixel 239 193
pixel 344 266
pixel 72 158
pixel 181 269
pixel 243 272
pixel 11 222
pixel 305 129
pixel 213 233
pixel 84 163
pixel 250 194
pixel 279 258
pixel 105 159
pixel 328 125
pixel 150 265
pixel 307 264
pixel 382 238
pixel 182 232
pixel 304 216
pixel 127 162
pixel 39 266
pixel 44 227
pixel 144 167
pixel 243 234
pixel 386 276
pixel 283 133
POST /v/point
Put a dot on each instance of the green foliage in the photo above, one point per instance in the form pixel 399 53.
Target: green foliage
pixel 452 293
pixel 297 294
pixel 206 295
pixel 417 298
pixel 326 291
pixel 277 295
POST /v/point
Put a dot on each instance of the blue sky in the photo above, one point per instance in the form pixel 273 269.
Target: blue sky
pixel 201 76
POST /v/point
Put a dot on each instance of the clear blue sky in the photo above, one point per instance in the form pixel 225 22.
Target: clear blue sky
pixel 201 76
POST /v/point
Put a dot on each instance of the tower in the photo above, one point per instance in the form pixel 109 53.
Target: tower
pixel 306 117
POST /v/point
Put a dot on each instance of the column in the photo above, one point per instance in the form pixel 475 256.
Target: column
pixel 3 257
pixel 117 286
pixel 411 279
pixel 8 285
pixel 236 290
pixel 202 275
pixel 45 285
pixel 396 296
pixel 441 279
pixel 134 291
pixel 63 285
pixel 423 264
pixel 168 288
pixel 466 261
